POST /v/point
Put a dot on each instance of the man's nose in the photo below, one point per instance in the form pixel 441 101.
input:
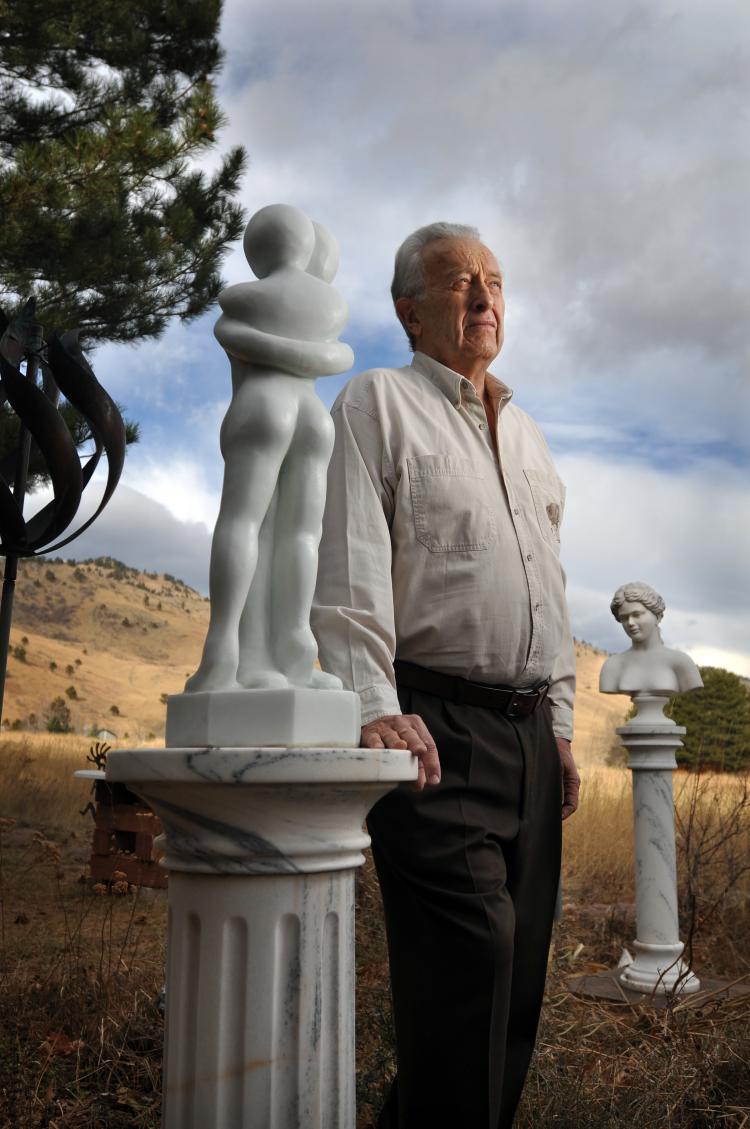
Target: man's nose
pixel 482 297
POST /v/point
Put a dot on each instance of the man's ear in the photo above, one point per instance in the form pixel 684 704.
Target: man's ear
pixel 409 317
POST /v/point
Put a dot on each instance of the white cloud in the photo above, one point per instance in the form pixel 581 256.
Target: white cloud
pixel 598 147
pixel 179 484
pixel 143 533
pixel 683 533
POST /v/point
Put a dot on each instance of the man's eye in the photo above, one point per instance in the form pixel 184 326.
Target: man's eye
pixel 496 284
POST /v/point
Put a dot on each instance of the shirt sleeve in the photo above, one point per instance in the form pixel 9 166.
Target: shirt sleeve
pixel 563 682
pixel 352 615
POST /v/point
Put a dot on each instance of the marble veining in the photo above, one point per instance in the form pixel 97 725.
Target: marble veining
pixel 190 842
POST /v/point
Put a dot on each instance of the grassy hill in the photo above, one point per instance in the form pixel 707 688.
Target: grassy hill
pixel 118 637
pixel 103 635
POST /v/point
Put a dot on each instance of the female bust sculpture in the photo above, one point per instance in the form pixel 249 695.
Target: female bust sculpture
pixel 648 666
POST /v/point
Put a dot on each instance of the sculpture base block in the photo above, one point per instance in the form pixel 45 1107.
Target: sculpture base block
pixel 243 718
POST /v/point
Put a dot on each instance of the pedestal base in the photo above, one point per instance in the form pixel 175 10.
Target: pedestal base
pixel 658 969
pixel 608 986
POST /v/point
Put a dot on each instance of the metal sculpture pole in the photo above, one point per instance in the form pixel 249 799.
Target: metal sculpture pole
pixel 63 369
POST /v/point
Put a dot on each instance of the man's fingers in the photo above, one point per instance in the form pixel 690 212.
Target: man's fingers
pixel 405 732
pixel 571 781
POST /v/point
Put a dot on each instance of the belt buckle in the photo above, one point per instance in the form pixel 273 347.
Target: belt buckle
pixel 511 710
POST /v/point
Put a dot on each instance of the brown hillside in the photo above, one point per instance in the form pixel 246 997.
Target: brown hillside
pixel 124 638
pixel 118 636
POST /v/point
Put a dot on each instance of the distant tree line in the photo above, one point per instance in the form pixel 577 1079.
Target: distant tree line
pixel 717 719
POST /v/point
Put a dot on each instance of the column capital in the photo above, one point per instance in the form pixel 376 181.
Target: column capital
pixel 261 811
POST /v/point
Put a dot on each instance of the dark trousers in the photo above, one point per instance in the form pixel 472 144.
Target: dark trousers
pixel 468 872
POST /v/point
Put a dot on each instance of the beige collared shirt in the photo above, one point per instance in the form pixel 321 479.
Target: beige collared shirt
pixel 433 550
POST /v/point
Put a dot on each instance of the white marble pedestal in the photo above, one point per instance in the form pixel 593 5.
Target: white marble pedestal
pixel 651 740
pixel 261 846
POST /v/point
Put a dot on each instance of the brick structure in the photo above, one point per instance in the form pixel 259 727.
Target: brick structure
pixel 124 833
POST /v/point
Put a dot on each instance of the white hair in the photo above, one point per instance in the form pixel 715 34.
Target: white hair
pixel 408 272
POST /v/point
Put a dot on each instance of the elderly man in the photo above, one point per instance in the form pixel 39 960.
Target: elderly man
pixel 440 600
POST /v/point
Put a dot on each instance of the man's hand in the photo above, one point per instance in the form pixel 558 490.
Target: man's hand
pixel 405 731
pixel 571 781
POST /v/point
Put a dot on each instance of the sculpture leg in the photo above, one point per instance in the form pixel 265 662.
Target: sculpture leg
pixel 302 486
pixel 255 437
pixel 257 666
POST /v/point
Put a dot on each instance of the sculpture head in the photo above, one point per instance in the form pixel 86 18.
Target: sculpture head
pixel 324 261
pixel 448 292
pixel 279 236
pixel 639 608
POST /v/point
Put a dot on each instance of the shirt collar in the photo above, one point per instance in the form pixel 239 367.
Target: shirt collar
pixel 454 386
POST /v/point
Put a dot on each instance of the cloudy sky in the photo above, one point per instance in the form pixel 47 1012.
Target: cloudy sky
pixel 602 150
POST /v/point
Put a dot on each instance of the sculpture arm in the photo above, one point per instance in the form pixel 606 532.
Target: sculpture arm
pixel 352 615
pixel 563 684
pixel 299 358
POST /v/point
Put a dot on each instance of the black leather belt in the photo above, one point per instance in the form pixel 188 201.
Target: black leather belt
pixel 512 703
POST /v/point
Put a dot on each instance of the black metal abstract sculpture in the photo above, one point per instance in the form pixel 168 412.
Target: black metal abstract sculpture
pixel 51 368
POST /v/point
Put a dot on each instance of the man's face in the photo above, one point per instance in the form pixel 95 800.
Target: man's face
pixel 459 318
pixel 638 621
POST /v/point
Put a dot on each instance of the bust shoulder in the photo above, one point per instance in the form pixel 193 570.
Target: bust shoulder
pixel 654 669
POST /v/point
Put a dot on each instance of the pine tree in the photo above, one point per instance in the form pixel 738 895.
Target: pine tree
pixel 105 108
pixel 717 719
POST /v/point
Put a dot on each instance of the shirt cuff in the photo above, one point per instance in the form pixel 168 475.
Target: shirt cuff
pixel 378 701
pixel 562 721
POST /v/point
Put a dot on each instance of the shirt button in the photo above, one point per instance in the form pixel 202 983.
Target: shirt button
pixel 482 426
pixel 528 556
pixel 516 510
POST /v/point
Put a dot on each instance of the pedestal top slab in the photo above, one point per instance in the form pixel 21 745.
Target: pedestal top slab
pixel 261 810
pixel 264 765
pixel 252 718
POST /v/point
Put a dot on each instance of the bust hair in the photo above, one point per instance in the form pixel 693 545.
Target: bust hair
pixel 408 272
pixel 638 593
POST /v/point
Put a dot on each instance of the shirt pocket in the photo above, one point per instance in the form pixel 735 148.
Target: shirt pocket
pixel 548 494
pixel 450 504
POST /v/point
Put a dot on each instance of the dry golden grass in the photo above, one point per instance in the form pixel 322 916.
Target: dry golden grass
pixel 37 784
pixel 80 1046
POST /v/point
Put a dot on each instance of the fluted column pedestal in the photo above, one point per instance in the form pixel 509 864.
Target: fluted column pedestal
pixel 651 740
pixel 261 846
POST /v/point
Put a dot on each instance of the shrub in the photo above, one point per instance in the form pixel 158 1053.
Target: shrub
pixel 53 665
pixel 71 692
pixel 58 717
pixel 19 653
pixel 717 719
pixel 70 669
pixel 115 711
